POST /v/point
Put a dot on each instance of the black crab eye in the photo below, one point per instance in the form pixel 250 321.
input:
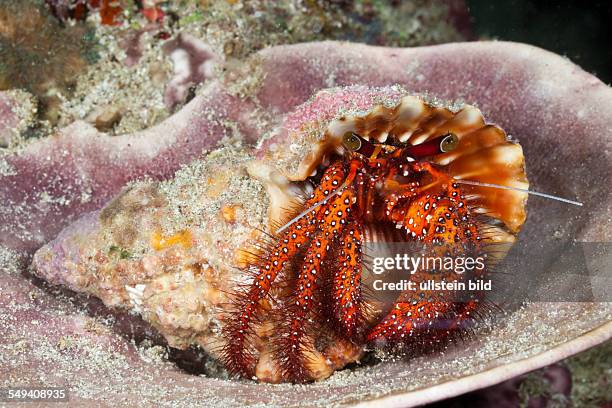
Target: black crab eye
pixel 351 141
pixel 355 143
pixel 449 143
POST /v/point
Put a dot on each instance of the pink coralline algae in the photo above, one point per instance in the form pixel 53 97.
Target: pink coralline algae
pixel 193 61
pixel 536 96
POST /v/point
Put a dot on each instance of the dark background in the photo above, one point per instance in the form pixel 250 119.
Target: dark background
pixel 579 30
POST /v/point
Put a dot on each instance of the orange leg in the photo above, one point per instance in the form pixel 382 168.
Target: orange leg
pixel 347 305
pixel 298 307
pixel 238 354
pixel 442 222
pixel 394 198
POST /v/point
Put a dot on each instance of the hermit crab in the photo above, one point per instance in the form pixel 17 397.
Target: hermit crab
pixel 414 171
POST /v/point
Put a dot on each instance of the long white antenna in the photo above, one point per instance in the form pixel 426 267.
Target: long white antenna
pixel 306 211
pixel 470 182
pixel 552 197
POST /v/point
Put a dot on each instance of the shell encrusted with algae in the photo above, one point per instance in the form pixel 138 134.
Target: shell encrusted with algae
pixel 164 249
pixel 172 251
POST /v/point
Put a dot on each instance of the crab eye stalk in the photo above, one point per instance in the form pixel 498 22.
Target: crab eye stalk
pixel 438 145
pixel 449 143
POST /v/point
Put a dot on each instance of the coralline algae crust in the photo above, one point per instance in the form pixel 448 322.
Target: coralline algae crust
pixel 166 250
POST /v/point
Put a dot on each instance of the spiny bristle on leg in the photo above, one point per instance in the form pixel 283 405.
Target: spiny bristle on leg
pixel 241 320
pixel 412 333
pixel 270 260
pixel 347 301
pixel 301 305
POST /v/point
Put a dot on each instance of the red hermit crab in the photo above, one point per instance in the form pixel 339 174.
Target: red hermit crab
pixel 428 174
